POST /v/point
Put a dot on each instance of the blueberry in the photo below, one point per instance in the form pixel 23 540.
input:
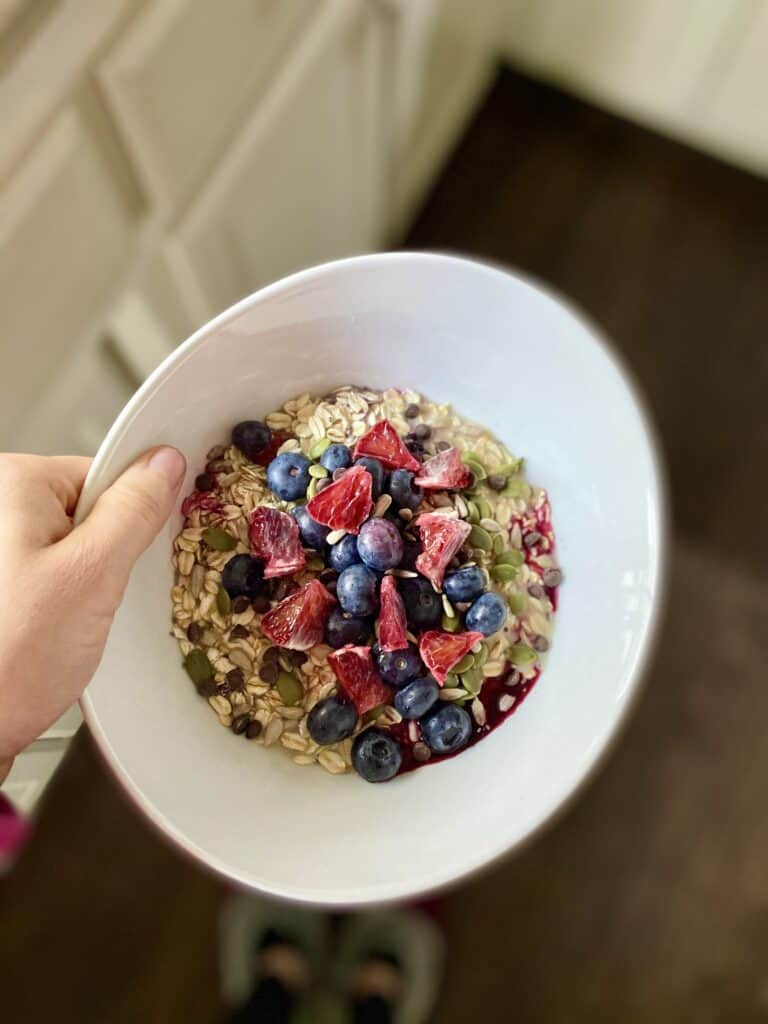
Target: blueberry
pixel 313 534
pixel 415 699
pixel 376 469
pixel 251 437
pixel 357 590
pixel 242 577
pixel 343 554
pixel 379 544
pixel 288 475
pixel 331 720
pixel 376 755
pixel 404 494
pixel 344 629
pixel 464 584
pixel 423 607
pixel 488 614
pixel 447 728
pixel 336 456
pixel 398 667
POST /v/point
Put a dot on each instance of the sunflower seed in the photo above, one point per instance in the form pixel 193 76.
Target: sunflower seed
pixel 273 731
pixel 506 702
pixel 478 712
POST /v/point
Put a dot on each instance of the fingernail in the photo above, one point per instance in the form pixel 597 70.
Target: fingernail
pixel 170 462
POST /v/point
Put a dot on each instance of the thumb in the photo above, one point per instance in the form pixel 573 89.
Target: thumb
pixel 129 514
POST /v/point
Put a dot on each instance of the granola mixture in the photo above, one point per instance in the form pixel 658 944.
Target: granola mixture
pixel 498 523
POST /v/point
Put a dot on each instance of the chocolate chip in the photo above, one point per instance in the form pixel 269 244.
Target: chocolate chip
pixel 552 577
pixel 532 538
pixel 205 482
pixel 422 432
pixel 415 447
pixel 240 605
pixel 271 654
pixel 235 679
pixel 207 687
pixel 421 752
pixel 540 644
pixel 513 679
pixel 323 483
pixel 195 632
pixel 497 482
pixel 442 446
pixel 326 576
pixel 338 473
pixel 260 604
pixel 269 672
pixel 536 590
pixel 412 411
pixel 240 724
pixel 239 633
pixel 297 658
pixel 253 729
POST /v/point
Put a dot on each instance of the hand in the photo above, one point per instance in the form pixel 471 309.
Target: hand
pixel 60 586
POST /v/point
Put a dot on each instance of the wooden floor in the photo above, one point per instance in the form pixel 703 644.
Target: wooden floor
pixel 648 901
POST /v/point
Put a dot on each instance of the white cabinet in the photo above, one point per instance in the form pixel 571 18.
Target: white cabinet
pixel 303 181
pixel 184 75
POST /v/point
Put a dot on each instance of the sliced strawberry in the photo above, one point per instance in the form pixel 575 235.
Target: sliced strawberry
pixel 383 442
pixel 274 536
pixel 298 622
pixel 264 458
pixel 441 651
pixel 441 538
pixel 358 678
pixel 443 472
pixel 202 500
pixel 392 627
pixel 346 504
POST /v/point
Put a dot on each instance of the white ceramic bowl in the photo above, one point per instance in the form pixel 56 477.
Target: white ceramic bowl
pixel 505 353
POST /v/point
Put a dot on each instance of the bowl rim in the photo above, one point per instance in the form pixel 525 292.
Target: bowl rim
pixel 636 674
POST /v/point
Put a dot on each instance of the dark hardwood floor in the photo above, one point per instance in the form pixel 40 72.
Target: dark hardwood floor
pixel 648 901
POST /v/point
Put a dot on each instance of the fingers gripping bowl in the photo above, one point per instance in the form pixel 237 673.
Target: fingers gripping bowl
pixel 504 354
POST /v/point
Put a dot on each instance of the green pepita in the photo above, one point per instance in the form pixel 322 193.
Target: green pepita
pixel 482 656
pixel 473 463
pixel 451 625
pixel 315 563
pixel 197 666
pixel 318 448
pixel 514 488
pixel 503 573
pixel 480 538
pixel 290 689
pixel 511 557
pixel 464 665
pixel 508 468
pixel 499 544
pixel 319 472
pixel 452 681
pixel 312 489
pixel 516 603
pixel 472 681
pixel 473 514
pixel 219 539
pixel 485 510
pixel 521 654
pixel 223 602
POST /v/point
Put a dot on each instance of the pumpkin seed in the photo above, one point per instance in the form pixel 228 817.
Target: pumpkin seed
pixel 482 656
pixel 451 625
pixel 223 602
pixel 521 654
pixel 508 468
pixel 473 514
pixel 464 665
pixel 452 681
pixel 319 472
pixel 319 447
pixel 480 538
pixel 290 689
pixel 473 681
pixel 516 603
pixel 219 539
pixel 315 563
pixel 503 573
pixel 197 666
pixel 473 463
pixel 511 557
pixel 485 510
pixel 499 544
pixel 312 489
pixel 514 488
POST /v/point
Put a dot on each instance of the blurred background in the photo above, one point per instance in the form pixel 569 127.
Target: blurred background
pixel 160 159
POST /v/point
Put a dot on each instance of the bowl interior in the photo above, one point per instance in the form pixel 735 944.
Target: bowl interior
pixel 504 353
